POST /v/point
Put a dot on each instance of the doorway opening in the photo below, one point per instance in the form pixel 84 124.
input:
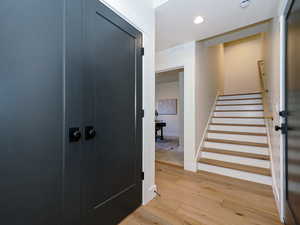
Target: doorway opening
pixel 169 117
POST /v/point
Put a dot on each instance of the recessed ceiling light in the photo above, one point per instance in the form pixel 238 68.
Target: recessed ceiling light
pixel 158 3
pixel 198 20
pixel 244 3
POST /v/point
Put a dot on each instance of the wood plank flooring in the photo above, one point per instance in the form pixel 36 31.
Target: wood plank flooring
pixel 205 199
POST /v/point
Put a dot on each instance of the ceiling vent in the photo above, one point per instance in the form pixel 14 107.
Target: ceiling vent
pixel 158 3
pixel 244 3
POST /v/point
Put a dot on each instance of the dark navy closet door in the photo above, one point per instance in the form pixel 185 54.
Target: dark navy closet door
pixel 292 206
pixel 31 112
pixel 70 113
pixel 112 160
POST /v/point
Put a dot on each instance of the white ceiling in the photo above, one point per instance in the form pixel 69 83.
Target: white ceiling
pixel 174 19
pixel 158 3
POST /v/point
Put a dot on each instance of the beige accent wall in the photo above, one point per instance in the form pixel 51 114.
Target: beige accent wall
pixel 240 66
pixel 220 67
pixel 238 34
pixel 272 66
pixel 209 74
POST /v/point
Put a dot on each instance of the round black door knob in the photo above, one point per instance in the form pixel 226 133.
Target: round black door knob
pixel 74 134
pixel 90 132
pixel 77 134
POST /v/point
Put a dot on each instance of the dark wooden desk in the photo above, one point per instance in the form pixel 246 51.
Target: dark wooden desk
pixel 159 126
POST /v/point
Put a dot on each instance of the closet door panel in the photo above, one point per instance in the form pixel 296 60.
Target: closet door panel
pixel 73 86
pixel 31 111
pixel 112 160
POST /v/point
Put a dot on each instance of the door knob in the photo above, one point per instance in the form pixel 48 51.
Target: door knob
pixel 74 134
pixel 90 132
pixel 277 128
pixel 283 128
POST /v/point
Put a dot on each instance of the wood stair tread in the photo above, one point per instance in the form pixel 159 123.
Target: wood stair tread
pixel 239 99
pixel 237 142
pixel 237 133
pixel 248 93
pixel 235 166
pixel 240 110
pixel 239 117
pixel 249 104
pixel 235 153
pixel 237 125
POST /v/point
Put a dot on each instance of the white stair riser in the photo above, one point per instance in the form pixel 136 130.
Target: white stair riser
pixel 244 114
pixel 236 159
pixel 240 96
pixel 236 174
pixel 239 129
pixel 234 137
pixel 237 148
pixel 238 121
pixel 254 101
pixel 241 107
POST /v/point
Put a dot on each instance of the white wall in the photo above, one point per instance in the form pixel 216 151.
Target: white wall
pixel 181 110
pixel 274 55
pixel 184 56
pixel 202 69
pixel 141 15
pixel 158 3
pixel 272 66
pixel 209 72
pixel 169 90
pixel 241 71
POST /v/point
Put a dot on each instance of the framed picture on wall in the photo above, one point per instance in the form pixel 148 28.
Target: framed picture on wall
pixel 167 107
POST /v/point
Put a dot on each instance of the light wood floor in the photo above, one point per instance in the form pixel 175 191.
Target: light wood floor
pixel 205 199
pixel 169 151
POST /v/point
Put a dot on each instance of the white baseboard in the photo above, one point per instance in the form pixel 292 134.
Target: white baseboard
pixel 190 166
pixel 274 185
pixel 150 194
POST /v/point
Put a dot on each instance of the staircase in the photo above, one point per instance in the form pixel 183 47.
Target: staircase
pixel 236 143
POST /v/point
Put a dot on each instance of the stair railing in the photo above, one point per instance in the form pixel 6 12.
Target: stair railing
pixel 265 91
